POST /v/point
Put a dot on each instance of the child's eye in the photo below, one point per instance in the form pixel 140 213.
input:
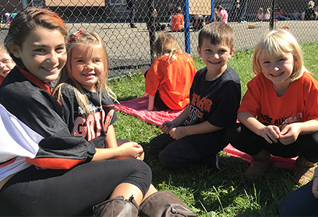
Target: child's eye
pixel 96 60
pixel 60 49
pixel 79 61
pixel 40 50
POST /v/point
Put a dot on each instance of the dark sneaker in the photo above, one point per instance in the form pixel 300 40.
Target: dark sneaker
pixel 212 162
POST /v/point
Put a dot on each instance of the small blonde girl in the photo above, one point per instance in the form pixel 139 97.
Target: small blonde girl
pixel 260 15
pixel 279 112
pixel 169 78
pixel 86 97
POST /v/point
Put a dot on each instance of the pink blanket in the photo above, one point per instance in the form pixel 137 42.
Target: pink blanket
pixel 137 107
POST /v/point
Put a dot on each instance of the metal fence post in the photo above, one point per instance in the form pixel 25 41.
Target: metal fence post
pixel 212 11
pixel 186 26
pixel 151 25
pixel 272 19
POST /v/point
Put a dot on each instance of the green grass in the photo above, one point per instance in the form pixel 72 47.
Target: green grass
pixel 210 192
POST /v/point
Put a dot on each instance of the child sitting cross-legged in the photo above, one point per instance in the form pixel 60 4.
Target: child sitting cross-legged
pixel 169 78
pixel 279 112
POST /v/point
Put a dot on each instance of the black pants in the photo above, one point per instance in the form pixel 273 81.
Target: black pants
pixel 73 192
pixel 247 141
pixel 187 150
pixel 132 14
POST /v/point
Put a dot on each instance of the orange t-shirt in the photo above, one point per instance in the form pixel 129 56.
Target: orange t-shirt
pixel 1 79
pixel 173 81
pixel 177 22
pixel 298 104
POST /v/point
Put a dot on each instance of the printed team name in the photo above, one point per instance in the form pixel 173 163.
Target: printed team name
pixel 197 108
pixel 266 120
pixel 91 127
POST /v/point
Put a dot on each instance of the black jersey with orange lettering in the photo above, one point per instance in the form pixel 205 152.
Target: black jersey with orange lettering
pixel 216 101
pixel 93 127
pixel 33 131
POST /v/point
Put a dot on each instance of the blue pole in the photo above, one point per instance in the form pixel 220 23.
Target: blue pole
pixel 186 26
pixel 212 11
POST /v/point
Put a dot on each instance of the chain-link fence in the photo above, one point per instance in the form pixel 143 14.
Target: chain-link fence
pixel 129 47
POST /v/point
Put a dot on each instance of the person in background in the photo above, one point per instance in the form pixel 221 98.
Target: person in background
pixel 260 15
pixel 131 6
pixel 177 20
pixel 6 62
pixel 243 10
pixel 222 13
pixel 267 15
pixel 169 78
pixel 280 15
pixel 310 11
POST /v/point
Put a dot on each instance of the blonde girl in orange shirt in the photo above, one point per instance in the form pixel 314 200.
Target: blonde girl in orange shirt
pixel 279 112
pixel 169 78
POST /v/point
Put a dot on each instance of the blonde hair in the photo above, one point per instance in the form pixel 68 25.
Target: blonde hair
pixel 260 11
pixel 89 41
pixel 268 10
pixel 276 43
pixel 311 4
pixel 166 44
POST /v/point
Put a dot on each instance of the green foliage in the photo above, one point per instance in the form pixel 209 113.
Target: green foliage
pixel 206 191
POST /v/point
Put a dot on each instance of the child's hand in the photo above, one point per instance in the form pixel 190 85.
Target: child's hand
pixel 270 133
pixel 177 133
pixel 315 187
pixel 289 133
pixel 166 127
pixel 131 150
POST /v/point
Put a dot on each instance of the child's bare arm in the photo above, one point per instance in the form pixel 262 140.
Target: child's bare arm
pixel 182 131
pixel 126 150
pixel 110 140
pixel 269 133
pixel 151 102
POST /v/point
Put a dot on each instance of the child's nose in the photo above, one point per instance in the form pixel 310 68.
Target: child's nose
pixel 89 66
pixel 53 57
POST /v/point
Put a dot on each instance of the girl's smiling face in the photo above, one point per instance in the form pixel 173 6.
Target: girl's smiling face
pixel 277 69
pixel 43 53
pixel 87 69
pixel 6 64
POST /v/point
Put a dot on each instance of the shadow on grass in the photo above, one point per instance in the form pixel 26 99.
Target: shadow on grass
pixel 226 192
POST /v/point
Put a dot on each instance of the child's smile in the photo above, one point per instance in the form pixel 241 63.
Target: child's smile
pixel 277 69
pixel 215 57
pixel 87 69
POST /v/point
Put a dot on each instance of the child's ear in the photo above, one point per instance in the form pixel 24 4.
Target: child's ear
pixel 231 53
pixel 15 50
pixel 199 51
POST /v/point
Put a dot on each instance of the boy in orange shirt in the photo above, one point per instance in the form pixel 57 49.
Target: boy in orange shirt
pixel 198 133
pixel 177 21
